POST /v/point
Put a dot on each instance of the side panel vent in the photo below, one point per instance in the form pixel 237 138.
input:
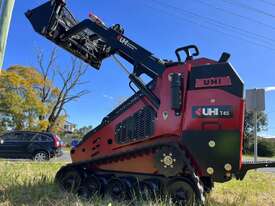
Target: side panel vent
pixel 138 126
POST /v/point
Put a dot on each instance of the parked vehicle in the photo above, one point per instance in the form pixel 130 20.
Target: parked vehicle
pixel 31 145
pixel 62 144
pixel 74 143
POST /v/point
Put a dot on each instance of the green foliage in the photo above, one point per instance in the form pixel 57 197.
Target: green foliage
pixel 249 128
pixel 20 105
pixel 83 130
pixel 266 148
pixel 77 134
pixel 29 100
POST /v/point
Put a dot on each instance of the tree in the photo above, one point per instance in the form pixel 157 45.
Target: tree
pixel 84 130
pixel 20 106
pixel 265 149
pixel 79 133
pixel 56 99
pixel 249 127
pixel 29 99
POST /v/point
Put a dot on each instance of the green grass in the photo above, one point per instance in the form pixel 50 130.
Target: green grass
pixel 257 188
pixel 29 183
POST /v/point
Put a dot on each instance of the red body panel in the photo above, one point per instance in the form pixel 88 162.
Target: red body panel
pixel 167 124
pixel 210 97
pixel 163 127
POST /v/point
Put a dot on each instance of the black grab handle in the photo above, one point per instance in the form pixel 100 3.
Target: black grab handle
pixel 187 50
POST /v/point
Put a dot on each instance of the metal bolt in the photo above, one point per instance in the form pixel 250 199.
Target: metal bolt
pixel 212 143
pixel 228 174
pixel 168 160
pixel 228 167
pixel 210 170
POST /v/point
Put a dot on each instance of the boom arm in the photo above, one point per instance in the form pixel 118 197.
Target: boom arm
pixel 91 41
pixel 143 60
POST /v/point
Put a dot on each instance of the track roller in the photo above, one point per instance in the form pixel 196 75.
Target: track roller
pixel 84 192
pixel 69 179
pixel 118 189
pixel 90 186
pixel 183 192
pixel 103 183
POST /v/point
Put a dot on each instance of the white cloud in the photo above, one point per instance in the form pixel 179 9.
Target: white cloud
pixel 269 89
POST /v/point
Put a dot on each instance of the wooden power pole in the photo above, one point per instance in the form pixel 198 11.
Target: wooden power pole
pixel 6 8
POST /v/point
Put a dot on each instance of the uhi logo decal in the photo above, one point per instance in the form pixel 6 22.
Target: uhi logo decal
pixel 126 42
pixel 212 112
pixel 213 82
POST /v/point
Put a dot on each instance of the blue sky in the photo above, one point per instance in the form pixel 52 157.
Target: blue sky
pixel 161 26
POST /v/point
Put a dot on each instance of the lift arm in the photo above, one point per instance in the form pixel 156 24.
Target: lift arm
pixel 91 41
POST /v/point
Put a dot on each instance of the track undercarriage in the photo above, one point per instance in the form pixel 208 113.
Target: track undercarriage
pixel 183 188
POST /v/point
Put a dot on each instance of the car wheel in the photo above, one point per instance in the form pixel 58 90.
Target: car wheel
pixel 41 156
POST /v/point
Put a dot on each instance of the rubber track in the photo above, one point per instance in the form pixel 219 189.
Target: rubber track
pixel 195 178
pixel 145 150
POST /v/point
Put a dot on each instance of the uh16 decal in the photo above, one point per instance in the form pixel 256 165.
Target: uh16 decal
pixel 212 111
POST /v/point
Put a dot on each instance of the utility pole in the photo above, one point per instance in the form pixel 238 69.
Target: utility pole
pixel 6 8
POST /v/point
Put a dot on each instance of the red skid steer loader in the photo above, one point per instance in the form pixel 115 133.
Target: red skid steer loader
pixel 176 135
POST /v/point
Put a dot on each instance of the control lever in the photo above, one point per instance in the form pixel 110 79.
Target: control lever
pixel 187 50
pixel 139 83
